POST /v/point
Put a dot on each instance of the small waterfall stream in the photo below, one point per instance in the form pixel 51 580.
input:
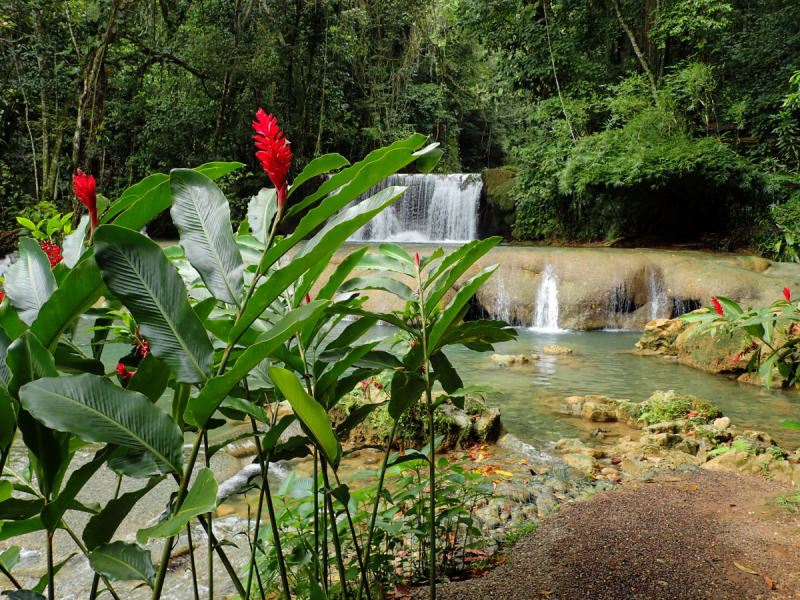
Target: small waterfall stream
pixel 546 308
pixel 657 295
pixel 434 208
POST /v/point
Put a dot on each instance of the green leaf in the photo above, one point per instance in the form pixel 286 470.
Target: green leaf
pixel 153 184
pixel 27 223
pixel 136 271
pixel 463 261
pixel 203 406
pixel 79 291
pixel 74 246
pixel 331 376
pixel 23 595
pixel 8 419
pixel 29 281
pixel 382 262
pixel 71 360
pixel 119 561
pixel 448 376
pixel 202 498
pixel 406 391
pixel 6 489
pixel 261 212
pixel 203 217
pixel 789 424
pixel 9 320
pixel 335 232
pixel 391 250
pixel 242 405
pixel 308 410
pixel 16 509
pixel 151 378
pixel 215 170
pixel 44 580
pixel 12 529
pixel 138 465
pixel 52 513
pixel 355 418
pixel 730 307
pixel 96 410
pixel 10 557
pixel 428 158
pixel 386 284
pixel 155 198
pixel 456 304
pixel 318 166
pixel 274 434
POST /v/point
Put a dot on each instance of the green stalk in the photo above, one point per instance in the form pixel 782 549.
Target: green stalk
pixel 335 532
pixel 162 568
pixel 51 584
pixel 276 536
pixel 264 482
pixel 374 517
pixel 96 579
pixel 223 558
pixel 432 483
pixel 210 528
pixel 179 401
pixel 191 559
pixel 10 577
pixel 316 511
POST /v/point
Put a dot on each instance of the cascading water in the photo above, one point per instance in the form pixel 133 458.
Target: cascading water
pixel 434 208
pixel 657 294
pixel 546 310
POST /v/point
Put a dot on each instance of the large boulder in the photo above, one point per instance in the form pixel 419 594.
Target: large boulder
pixel 659 336
pixel 580 461
pixel 714 354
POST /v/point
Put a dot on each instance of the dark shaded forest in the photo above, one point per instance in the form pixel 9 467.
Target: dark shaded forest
pixel 633 121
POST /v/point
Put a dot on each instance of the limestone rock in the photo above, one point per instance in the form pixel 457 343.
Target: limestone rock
pixel 662 440
pixel 487 427
pixel 659 336
pixel 712 354
pixel 579 461
pixel 754 379
pixel 595 411
pixel 722 423
pixel 508 360
pixel 565 443
pixel 557 350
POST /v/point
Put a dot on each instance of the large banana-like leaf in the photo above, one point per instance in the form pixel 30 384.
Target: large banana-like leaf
pixel 202 498
pixel 203 217
pixel 81 288
pixel 136 271
pixel 308 410
pixel 385 284
pixel 95 410
pixel 323 244
pixel 74 243
pixel 5 342
pixel 29 281
pixel 151 378
pixel 28 361
pixel 9 320
pixel 119 561
pixel 213 393
pixel 260 213
pixel 456 304
pixel 148 198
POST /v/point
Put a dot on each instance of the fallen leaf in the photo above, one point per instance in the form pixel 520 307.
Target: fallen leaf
pixel 732 505
pixel 693 488
pixel 545 593
pixel 401 591
pixel 769 581
pixel 504 473
pixel 745 569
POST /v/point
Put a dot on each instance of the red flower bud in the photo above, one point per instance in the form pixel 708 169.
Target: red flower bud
pixel 275 154
pixel 717 306
pixel 84 187
pixel 308 299
pixel 736 358
pixel 787 294
pixel 416 259
pixel 123 373
pixel 2 295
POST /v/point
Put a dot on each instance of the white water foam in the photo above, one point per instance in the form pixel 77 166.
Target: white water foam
pixel 659 301
pixel 434 208
pixel 546 310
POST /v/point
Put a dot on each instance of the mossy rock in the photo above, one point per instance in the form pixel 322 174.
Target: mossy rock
pixel 671 406
pixel 714 354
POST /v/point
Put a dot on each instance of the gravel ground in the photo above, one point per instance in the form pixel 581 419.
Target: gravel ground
pixel 674 537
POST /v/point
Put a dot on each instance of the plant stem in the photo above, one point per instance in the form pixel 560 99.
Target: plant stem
pixel 432 483
pixel 222 556
pixel 276 537
pixel 191 559
pixel 374 517
pixel 210 529
pixel 316 510
pixel 264 482
pixel 10 577
pixel 96 580
pixel 51 584
pixel 335 532
pixel 162 568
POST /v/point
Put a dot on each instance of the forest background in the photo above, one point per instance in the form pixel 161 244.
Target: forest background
pixel 626 121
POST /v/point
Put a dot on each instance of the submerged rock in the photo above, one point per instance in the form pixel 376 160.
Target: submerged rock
pixel 558 350
pixel 507 360
pixel 659 336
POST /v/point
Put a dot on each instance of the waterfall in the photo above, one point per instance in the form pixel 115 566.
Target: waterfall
pixel 659 301
pixel 434 208
pixel 546 311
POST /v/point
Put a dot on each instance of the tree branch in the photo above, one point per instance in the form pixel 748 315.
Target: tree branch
pixel 632 37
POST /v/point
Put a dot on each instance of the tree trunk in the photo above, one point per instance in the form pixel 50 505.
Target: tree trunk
pixel 43 70
pixel 637 50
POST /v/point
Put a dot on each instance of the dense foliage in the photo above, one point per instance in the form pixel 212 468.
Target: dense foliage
pixel 618 115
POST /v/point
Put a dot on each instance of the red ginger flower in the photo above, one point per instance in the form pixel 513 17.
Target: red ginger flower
pixel 416 259
pixel 736 358
pixel 787 294
pixel 308 299
pixel 123 373
pixel 275 154
pixel 84 187
pixel 717 306
pixel 53 253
